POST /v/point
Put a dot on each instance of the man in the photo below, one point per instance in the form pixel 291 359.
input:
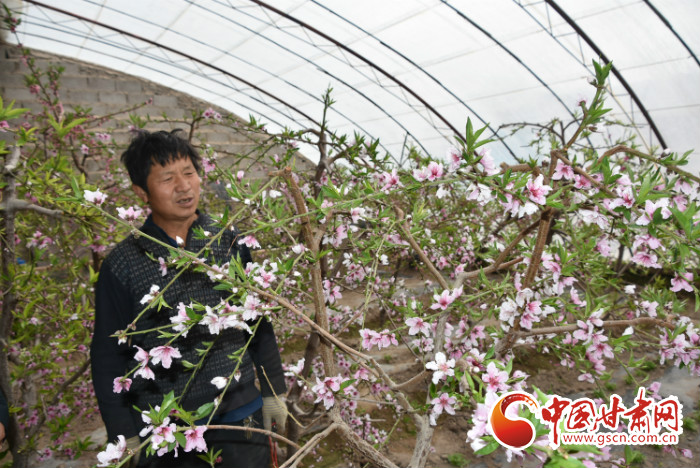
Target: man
pixel 164 170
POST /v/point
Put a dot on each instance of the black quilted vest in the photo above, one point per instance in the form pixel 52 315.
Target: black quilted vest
pixel 138 273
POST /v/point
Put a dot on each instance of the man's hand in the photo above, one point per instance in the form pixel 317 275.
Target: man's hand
pixel 274 408
pixel 2 433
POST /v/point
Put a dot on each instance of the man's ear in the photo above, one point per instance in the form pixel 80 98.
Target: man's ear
pixel 140 192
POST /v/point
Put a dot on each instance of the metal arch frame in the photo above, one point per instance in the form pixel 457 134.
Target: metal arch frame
pixel 150 57
pixel 613 69
pixel 174 51
pixel 422 70
pixel 224 72
pixel 573 55
pixel 359 56
pixel 511 53
pixel 340 80
pixel 668 25
pixel 351 121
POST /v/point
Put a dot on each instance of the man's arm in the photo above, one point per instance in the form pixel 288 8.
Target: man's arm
pixel 4 416
pixel 110 359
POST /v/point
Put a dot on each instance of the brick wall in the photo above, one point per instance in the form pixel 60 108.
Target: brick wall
pixel 107 91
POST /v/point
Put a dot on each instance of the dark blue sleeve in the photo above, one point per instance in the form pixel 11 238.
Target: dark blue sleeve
pixel 4 411
pixel 110 359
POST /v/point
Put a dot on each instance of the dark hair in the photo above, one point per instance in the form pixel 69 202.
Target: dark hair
pixel 160 147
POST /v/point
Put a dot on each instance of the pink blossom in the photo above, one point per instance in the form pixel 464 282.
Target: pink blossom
pixel 325 390
pixel 121 383
pixel 682 282
pixel 599 348
pixel 647 240
pixel 494 378
pixel 435 170
pixel 104 137
pixel 480 193
pixel 442 367
pixel 34 89
pixel 650 307
pixel 217 273
pixel 417 325
pixel 586 377
pixel 164 354
pixel 653 390
pixel 356 213
pixel 141 355
pixel 581 182
pixel 537 191
pixel 251 307
pixel 508 311
pixel 420 174
pixel 680 202
pixel 595 217
pixel 208 165
pixel 646 259
pixel 212 320
pixel 195 439
pixel 650 208
pixel 112 453
pixel 445 403
pixel 95 197
pixel 487 162
pixel 626 197
pixel 331 291
pixel 454 156
pixel 446 298
pixel 219 382
pixel 163 433
pixel 389 180
pixel 563 171
pixel 211 114
pixel 337 238
pixel 250 241
pixel 129 214
pixel 575 298
pixel 4 126
pixel 180 319
pixel 687 453
pixel 145 372
pixel 155 289
pixel 265 278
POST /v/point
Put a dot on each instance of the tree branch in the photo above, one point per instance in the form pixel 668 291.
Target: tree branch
pixel 15 205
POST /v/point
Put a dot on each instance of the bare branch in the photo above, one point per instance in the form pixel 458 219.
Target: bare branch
pixel 16 205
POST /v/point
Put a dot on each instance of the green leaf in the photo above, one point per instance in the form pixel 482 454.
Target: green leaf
pixel 347 383
pixel 557 460
pixel 493 445
pixel 181 439
pixel 204 410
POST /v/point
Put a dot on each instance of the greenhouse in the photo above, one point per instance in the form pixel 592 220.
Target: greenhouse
pixel 310 233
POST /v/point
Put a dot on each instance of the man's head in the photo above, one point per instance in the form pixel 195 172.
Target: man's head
pixel 161 147
pixel 164 171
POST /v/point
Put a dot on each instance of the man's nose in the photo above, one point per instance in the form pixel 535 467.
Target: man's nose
pixel 182 184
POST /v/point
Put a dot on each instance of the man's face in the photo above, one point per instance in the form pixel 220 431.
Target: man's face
pixel 173 192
